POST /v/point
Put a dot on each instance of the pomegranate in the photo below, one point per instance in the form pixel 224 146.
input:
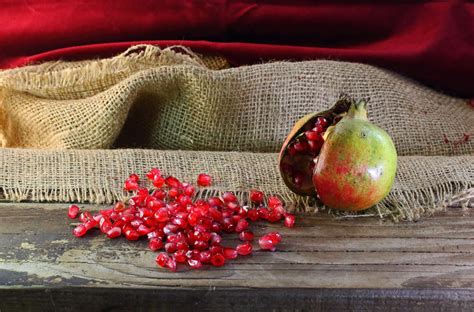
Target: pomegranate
pixel 339 156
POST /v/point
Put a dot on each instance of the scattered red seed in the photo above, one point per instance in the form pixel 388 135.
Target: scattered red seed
pixel 80 230
pixel 188 230
pixel 244 249
pixel 204 179
pixel 73 211
pixel 246 236
pixel 269 241
pixel 217 260
pixel 256 196
pixel 289 221
pixel 114 232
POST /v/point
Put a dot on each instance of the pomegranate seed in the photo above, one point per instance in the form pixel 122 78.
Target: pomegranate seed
pixel 114 232
pixel 205 256
pixel 155 244
pixel 158 181
pixel 143 230
pixel 315 146
pixel 256 196
pixel 189 190
pixel 172 182
pixel 90 224
pixel 244 249
pixel 269 241
pixel 73 211
pixel 195 264
pixel 321 121
pixel 130 185
pixel 216 250
pixel 159 194
pixel 173 192
pixel 217 260
pixel 301 146
pixel 275 236
pixel 274 202
pixel 289 221
pixel 200 245
pixel 204 180
pixel 180 256
pixel 253 215
pixel 79 230
pixel 182 246
pixel 216 239
pixel 274 216
pixel 263 213
pixel 152 173
pixel 312 135
pixel 230 253
pixel 242 225
pixel 215 201
pixel 85 216
pixel 246 236
pixel 131 235
pixel 105 225
pixel 162 215
pixel 134 177
pixel 170 247
pixel 162 259
pixel 229 197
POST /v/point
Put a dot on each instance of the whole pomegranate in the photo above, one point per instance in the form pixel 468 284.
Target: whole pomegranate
pixel 338 155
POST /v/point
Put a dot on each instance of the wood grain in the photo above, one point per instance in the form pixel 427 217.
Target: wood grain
pixel 322 264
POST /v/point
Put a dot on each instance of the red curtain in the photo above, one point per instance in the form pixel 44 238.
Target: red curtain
pixel 432 42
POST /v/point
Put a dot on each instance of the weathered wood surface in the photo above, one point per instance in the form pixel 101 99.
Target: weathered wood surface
pixel 322 264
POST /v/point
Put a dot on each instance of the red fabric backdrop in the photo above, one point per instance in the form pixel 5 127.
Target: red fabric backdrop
pixel 432 42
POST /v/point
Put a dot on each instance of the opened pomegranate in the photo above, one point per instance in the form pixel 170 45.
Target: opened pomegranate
pixel 340 156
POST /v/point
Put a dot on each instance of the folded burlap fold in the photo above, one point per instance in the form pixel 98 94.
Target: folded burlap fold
pixel 172 99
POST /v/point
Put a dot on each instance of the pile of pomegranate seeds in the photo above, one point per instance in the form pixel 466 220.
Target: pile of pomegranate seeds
pixel 189 231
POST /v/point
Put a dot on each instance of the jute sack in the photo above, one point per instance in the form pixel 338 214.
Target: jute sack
pixel 169 99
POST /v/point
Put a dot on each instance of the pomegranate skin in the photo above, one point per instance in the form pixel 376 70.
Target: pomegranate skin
pixel 357 164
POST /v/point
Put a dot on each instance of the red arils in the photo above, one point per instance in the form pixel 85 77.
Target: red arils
pixel 158 181
pixel 195 264
pixel 246 236
pixel 256 196
pixel 130 185
pixel 204 179
pixel 190 231
pixel 321 121
pixel 217 260
pixel 73 211
pixel 242 225
pixel 229 197
pixel 114 232
pixel 244 249
pixel 152 173
pixel 289 221
pixel 80 230
pixel 162 259
pixel 269 241
pixel 230 253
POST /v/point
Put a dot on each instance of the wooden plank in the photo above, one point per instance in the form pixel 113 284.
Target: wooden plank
pixel 388 264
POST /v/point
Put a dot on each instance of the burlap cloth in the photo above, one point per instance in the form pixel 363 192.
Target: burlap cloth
pixel 67 116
